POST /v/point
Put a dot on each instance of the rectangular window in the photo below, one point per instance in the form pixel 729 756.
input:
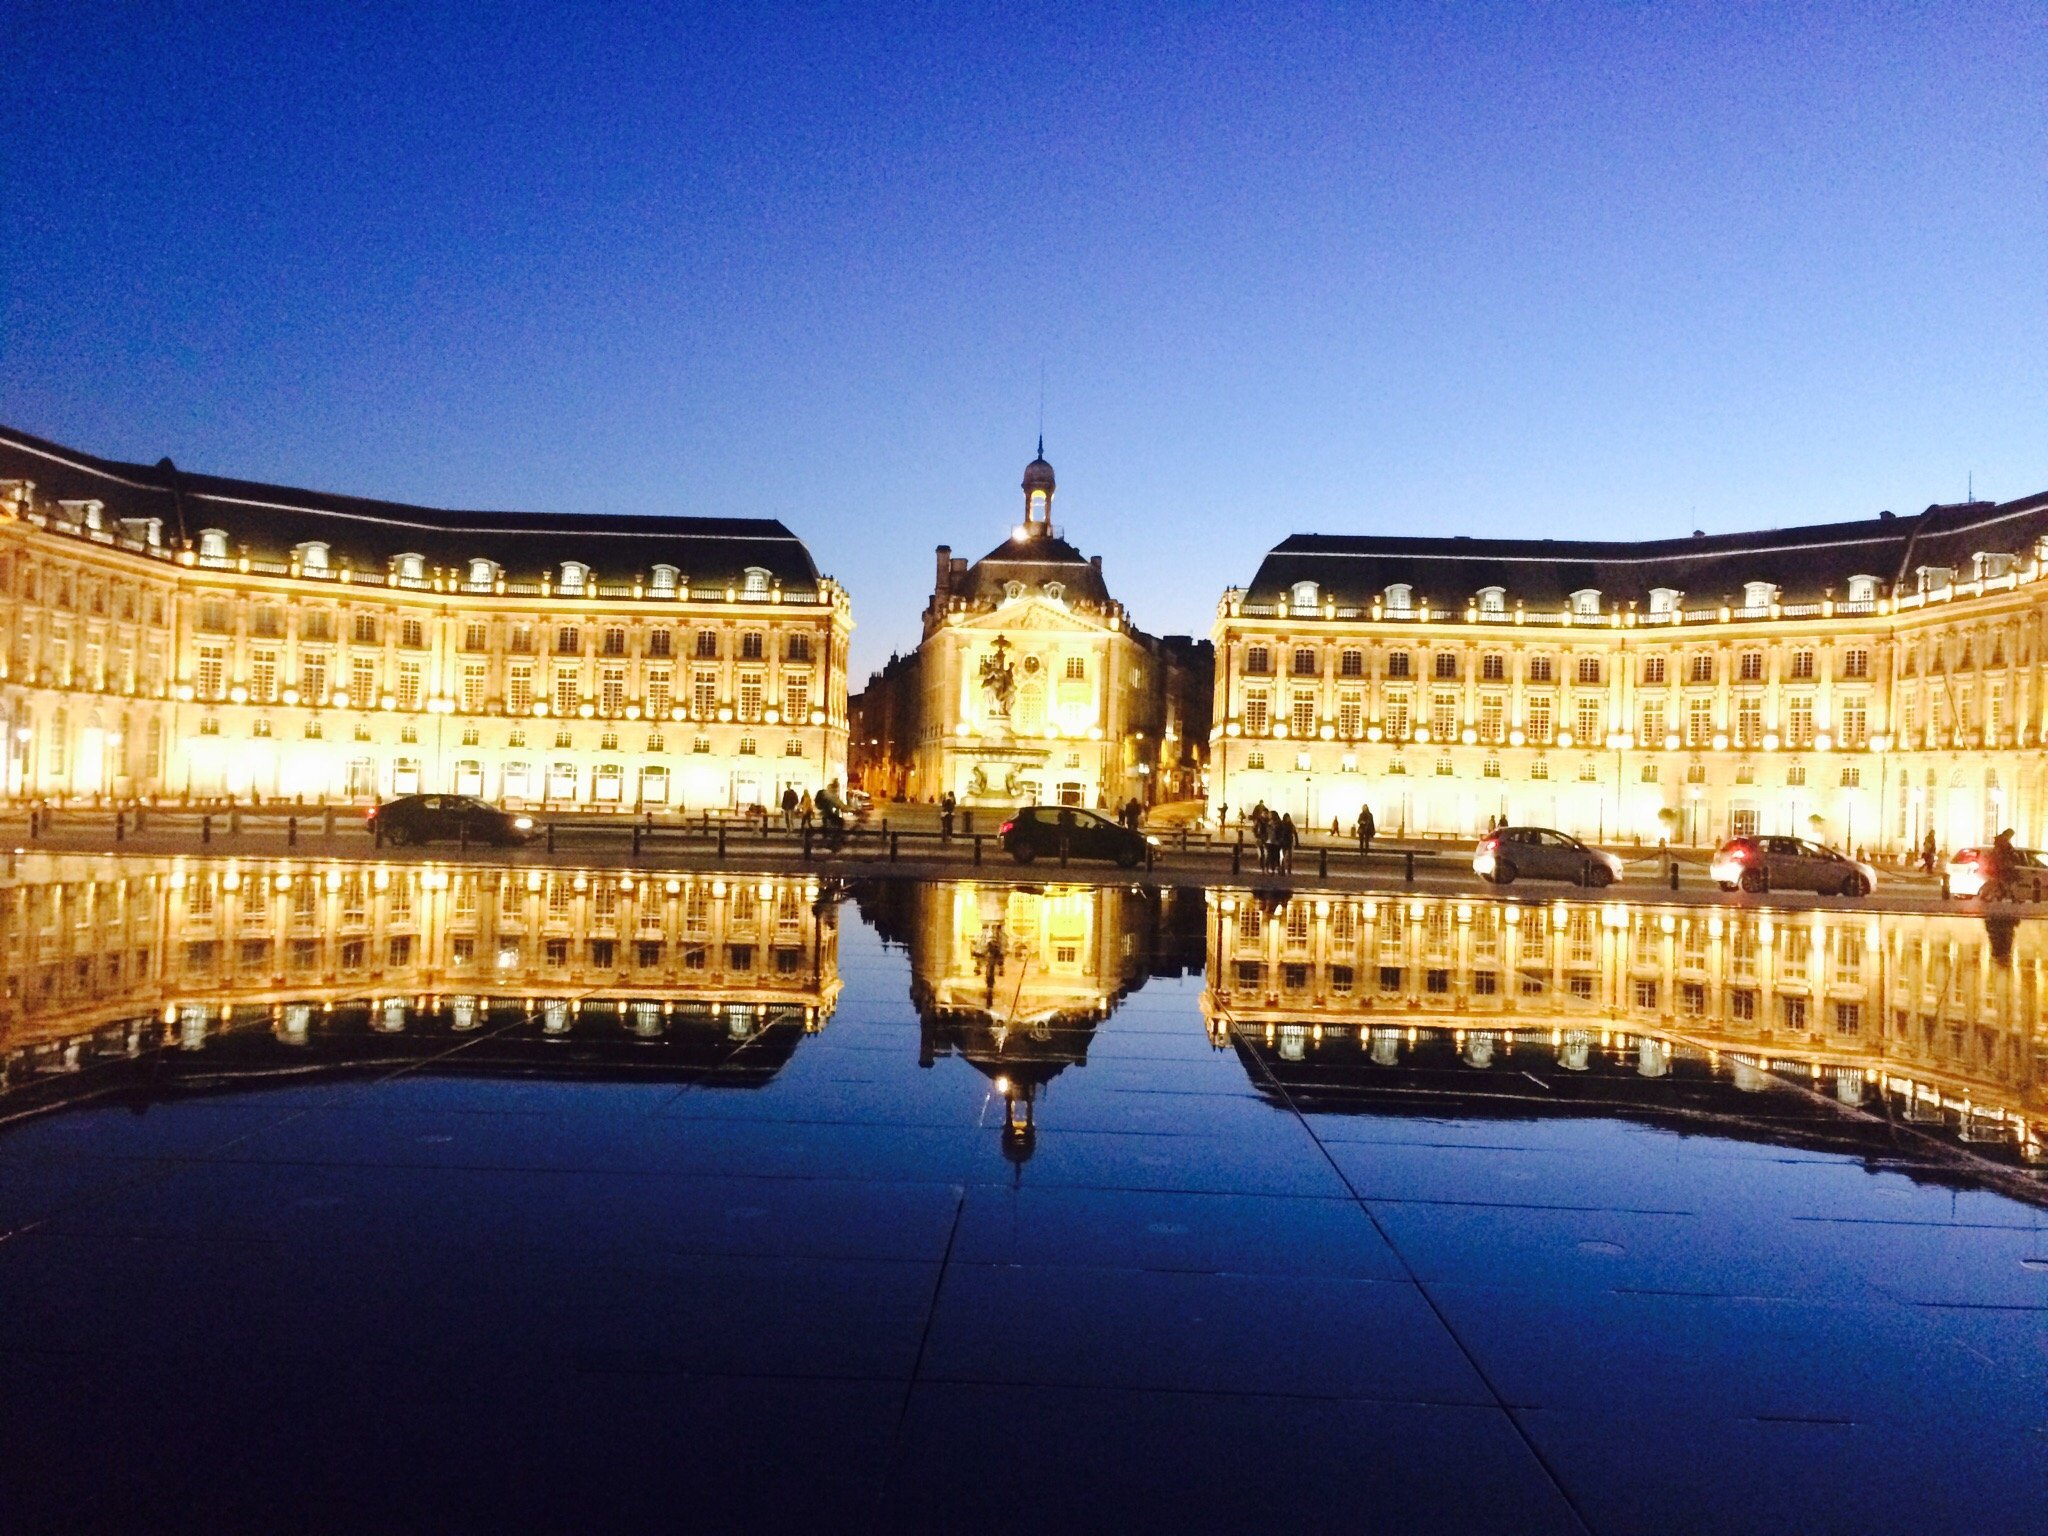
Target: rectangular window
pixel 1540 669
pixel 704 695
pixel 1653 669
pixel 1303 718
pixel 1856 663
pixel 1749 722
pixel 1443 716
pixel 1654 727
pixel 1799 720
pixel 519 688
pixel 1351 664
pixel 1700 667
pixel 1493 667
pixel 751 647
pixel 1492 715
pixel 660 696
pixel 362 682
pixel 472 686
pixel 614 640
pixel 796 700
pixel 750 696
pixel 408 685
pixel 1538 712
pixel 1350 715
pixel 1255 707
pixel 363 629
pixel 1699 722
pixel 1258 661
pixel 1397 664
pixel 1397 716
pixel 476 636
pixel 1446 665
pixel 412 634
pixel 1855 722
pixel 263 676
pixel 611 691
pixel 568 689
pixel 213 671
pixel 1750 668
pixel 1589 669
pixel 1586 721
pixel 1802 664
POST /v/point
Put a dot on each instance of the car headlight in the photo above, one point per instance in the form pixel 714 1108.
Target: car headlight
pixel 522 823
pixel 1152 840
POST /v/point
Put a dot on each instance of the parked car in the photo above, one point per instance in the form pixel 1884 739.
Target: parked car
pixel 1790 864
pixel 1539 853
pixel 1971 868
pixel 423 818
pixel 1037 829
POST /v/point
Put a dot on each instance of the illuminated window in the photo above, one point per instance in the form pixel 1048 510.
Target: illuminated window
pixel 1802 664
pixel 408 685
pixel 611 691
pixel 707 644
pixel 362 682
pixel 1540 669
pixel 567 690
pixel 614 641
pixel 1589 669
pixel 796 700
pixel 659 697
pixel 519 688
pixel 752 647
pixel 1258 661
pixel 750 696
pixel 1653 669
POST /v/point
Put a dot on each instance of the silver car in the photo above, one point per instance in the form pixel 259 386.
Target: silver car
pixel 1758 864
pixel 1538 853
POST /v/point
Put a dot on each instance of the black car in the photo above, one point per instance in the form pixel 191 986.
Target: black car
pixel 422 818
pixel 1040 829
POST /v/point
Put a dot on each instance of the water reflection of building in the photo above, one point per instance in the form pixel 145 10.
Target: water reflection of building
pixel 106 955
pixel 1938 1016
pixel 1015 979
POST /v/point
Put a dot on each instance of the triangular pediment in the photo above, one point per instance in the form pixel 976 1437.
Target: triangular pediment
pixel 1035 615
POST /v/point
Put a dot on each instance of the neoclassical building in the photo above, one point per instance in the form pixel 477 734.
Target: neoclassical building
pixel 1868 682
pixel 1031 685
pixel 173 634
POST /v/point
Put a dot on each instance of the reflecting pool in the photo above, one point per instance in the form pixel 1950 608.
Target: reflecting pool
pixel 418 1196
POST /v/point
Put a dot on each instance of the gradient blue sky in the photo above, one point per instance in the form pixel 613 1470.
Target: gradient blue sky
pixel 1572 270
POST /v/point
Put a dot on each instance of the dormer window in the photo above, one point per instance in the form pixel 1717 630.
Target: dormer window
pixel 1664 602
pixel 1758 594
pixel 1862 589
pixel 483 575
pixel 756 584
pixel 1302 598
pixel 1493 601
pixel 410 567
pixel 575 576
pixel 213 546
pixel 1935 578
pixel 1992 564
pixel 1586 603
pixel 1056 591
pixel 1400 598
pixel 312 558
pixel 662 580
pixel 1013 591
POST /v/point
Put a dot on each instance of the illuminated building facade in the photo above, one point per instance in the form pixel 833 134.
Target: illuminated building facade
pixel 1946 1014
pixel 175 635
pixel 1866 682
pixel 1031 686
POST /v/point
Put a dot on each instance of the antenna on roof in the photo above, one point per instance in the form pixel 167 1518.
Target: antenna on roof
pixel 1969 492
pixel 1041 407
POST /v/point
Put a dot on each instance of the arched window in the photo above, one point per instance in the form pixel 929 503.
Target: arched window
pixel 1664 601
pixel 757 581
pixel 483 574
pixel 1056 591
pixel 410 567
pixel 1013 591
pixel 213 545
pixel 1758 594
pixel 574 576
pixel 1935 578
pixel 1302 598
pixel 1400 597
pixel 1493 601
pixel 1586 603
pixel 662 581
pixel 312 558
pixel 1862 589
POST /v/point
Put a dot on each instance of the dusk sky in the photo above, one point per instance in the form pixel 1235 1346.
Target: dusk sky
pixel 1577 271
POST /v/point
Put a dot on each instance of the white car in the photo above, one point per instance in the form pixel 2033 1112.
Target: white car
pixel 1971 867
pixel 1758 864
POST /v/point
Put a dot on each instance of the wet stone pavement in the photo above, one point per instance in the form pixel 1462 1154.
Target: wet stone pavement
pixel 945 1207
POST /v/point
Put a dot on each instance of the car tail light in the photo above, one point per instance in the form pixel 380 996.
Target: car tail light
pixel 370 814
pixel 1004 829
pixel 1489 845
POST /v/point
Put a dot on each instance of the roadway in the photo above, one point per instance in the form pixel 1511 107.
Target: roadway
pixel 912 847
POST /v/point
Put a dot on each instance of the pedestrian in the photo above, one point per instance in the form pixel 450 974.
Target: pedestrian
pixel 946 807
pixel 1262 831
pixel 789 803
pixel 805 810
pixel 1366 828
pixel 1927 851
pixel 1286 840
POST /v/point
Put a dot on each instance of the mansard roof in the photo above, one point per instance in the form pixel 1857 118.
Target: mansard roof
pixel 1803 563
pixel 267 522
pixel 1035 559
